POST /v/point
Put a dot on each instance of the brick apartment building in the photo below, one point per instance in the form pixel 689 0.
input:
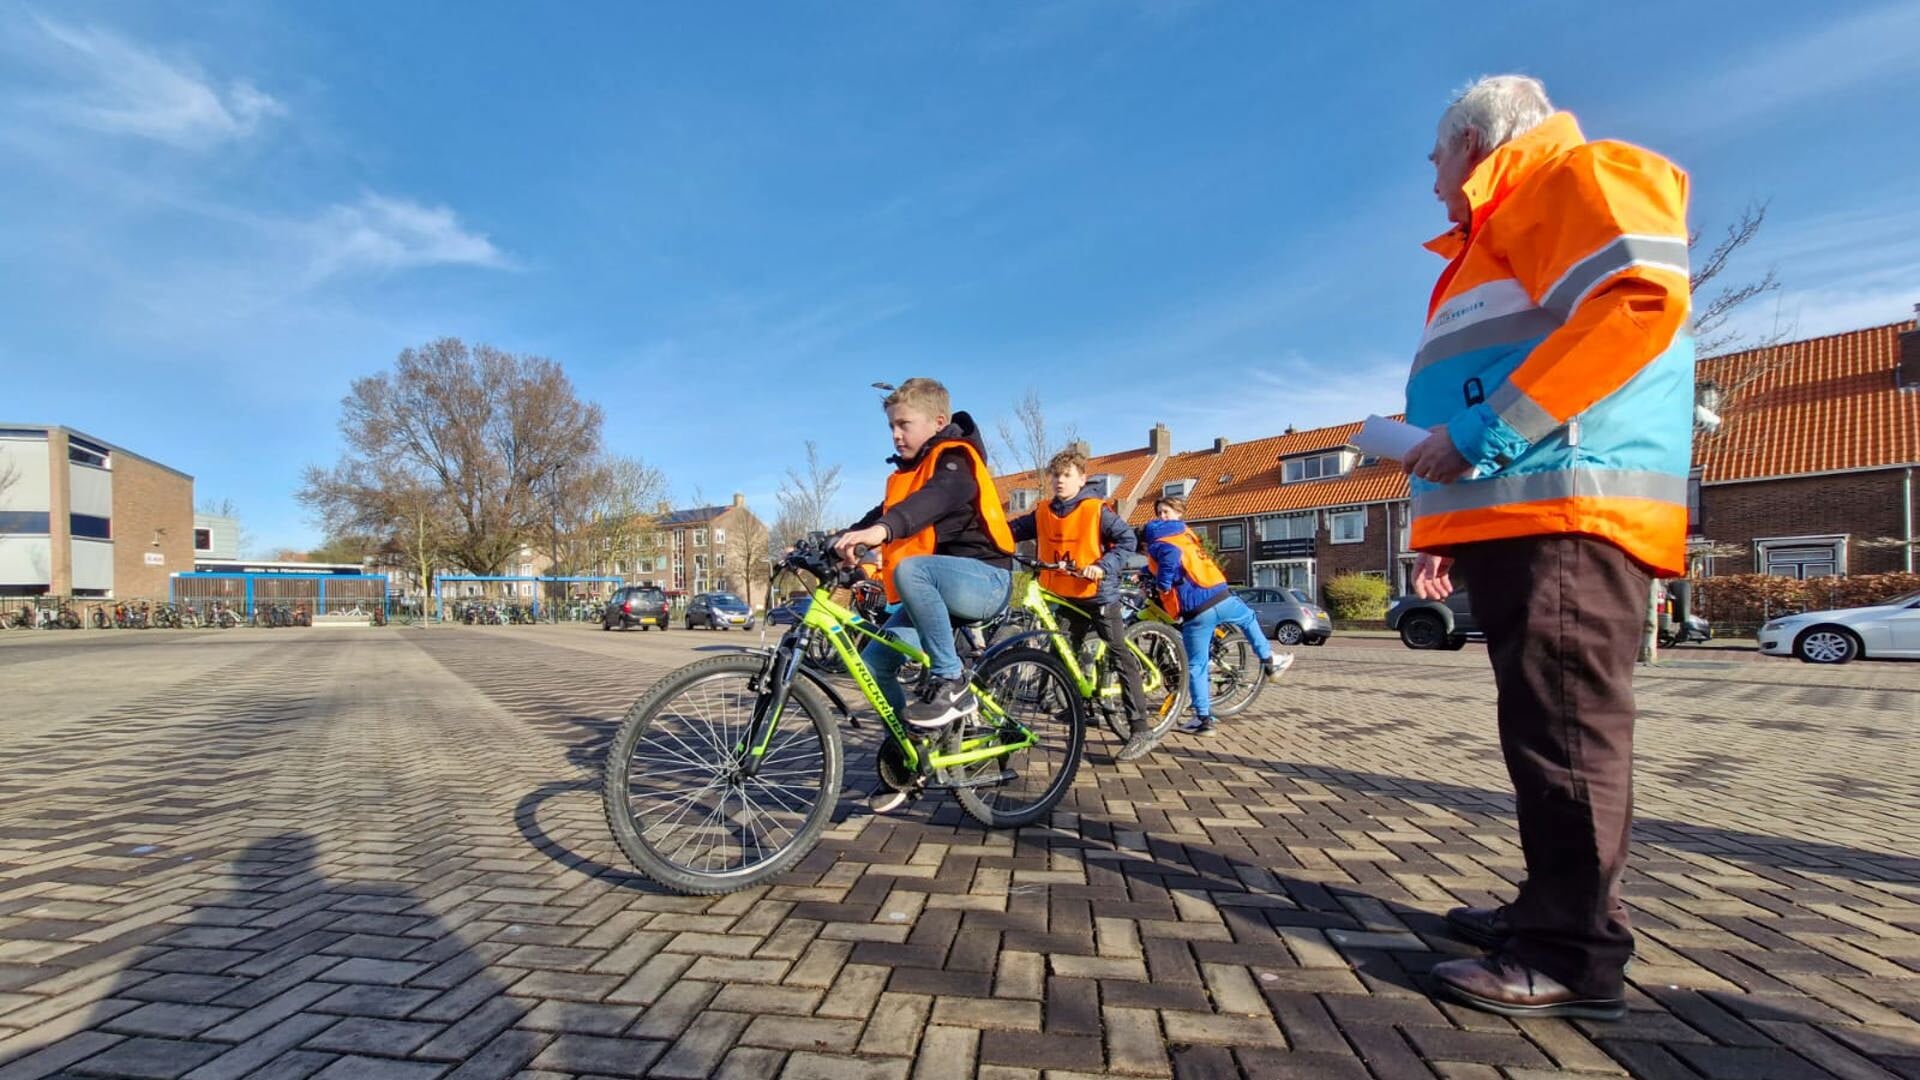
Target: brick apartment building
pixel 706 548
pixel 80 516
pixel 1812 471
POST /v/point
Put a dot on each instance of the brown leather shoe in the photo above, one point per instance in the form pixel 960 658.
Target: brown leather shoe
pixel 1496 984
pixel 1486 927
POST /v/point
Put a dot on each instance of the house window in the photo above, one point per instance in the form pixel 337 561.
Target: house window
pixel 526 569
pixel 719 537
pixel 1347 526
pixel 1693 503
pixel 1801 556
pixel 1233 537
pixel 699 538
pixel 1177 489
pixel 86 453
pixel 1287 527
pixel 1025 498
pixel 203 539
pixel 1104 485
pixel 1314 467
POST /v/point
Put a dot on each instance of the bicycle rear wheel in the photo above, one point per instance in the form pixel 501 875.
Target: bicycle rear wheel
pixel 1034 690
pixel 1168 659
pixel 1234 674
pixel 680 805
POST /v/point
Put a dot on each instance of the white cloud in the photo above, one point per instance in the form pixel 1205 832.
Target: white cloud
pixel 119 88
pixel 383 233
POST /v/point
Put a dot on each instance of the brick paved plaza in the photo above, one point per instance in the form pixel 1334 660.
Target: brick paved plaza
pixel 380 853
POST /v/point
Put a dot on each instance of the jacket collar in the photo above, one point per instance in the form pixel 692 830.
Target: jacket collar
pixel 1505 169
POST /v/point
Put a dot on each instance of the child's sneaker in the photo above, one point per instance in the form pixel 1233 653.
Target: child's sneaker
pixel 947 700
pixel 1139 746
pixel 1276 665
pixel 1199 725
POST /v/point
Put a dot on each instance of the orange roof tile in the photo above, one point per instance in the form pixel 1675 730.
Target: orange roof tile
pixel 1820 405
pixel 1129 465
pixel 1245 478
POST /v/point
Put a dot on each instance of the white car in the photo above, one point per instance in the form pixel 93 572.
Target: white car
pixel 1883 631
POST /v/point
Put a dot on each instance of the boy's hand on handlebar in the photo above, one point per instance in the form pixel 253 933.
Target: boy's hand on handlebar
pixel 1093 573
pixel 848 544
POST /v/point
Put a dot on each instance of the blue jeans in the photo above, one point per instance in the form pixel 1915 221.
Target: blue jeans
pixel 935 590
pixel 1197 634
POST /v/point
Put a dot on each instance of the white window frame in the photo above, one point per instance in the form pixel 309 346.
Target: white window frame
pixel 1260 527
pixel 719 537
pixel 1334 517
pixel 1294 469
pixel 1764 547
pixel 1177 489
pixel 699 538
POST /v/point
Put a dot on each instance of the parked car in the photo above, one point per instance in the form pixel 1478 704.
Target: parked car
pixel 719 611
pixel 1433 624
pixel 644 606
pixel 1289 615
pixel 791 612
pixel 1888 630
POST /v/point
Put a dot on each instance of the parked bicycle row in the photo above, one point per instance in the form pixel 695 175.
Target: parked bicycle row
pixel 64 613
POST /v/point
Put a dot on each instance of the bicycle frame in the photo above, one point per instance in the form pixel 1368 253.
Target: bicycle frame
pixel 843 628
pixel 1039 602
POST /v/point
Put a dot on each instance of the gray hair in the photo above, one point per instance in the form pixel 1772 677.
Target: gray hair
pixel 1499 108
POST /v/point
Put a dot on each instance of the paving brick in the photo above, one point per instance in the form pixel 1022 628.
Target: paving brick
pixel 162 1059
pixel 703 1046
pixel 595 1054
pixel 811 1066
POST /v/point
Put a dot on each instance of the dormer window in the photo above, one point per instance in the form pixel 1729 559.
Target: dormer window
pixel 1316 466
pixel 1176 489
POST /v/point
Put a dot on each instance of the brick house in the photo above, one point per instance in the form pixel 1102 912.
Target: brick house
pixel 1120 478
pixel 705 548
pixel 1812 470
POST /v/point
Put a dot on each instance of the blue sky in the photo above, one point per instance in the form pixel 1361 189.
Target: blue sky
pixel 727 220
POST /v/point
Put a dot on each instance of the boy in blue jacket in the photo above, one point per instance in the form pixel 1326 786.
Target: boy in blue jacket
pixel 1194 591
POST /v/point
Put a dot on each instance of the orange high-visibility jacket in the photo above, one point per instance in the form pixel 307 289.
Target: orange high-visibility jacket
pixel 1076 536
pixel 1196 566
pixel 1556 351
pixel 986 503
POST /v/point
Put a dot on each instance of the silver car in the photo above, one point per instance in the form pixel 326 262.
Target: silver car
pixel 1289 615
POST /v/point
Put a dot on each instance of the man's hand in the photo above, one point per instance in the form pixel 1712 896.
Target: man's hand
pixel 1435 460
pixel 848 543
pixel 1093 573
pixel 1432 577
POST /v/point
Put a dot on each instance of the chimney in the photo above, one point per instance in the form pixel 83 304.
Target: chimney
pixel 739 501
pixel 1160 440
pixel 1219 446
pixel 1907 375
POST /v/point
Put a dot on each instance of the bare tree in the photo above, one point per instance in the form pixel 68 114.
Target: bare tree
pixel 482 431
pixel 1025 437
pixel 746 558
pixel 9 475
pixel 806 499
pixel 613 526
pixel 405 517
pixel 1712 336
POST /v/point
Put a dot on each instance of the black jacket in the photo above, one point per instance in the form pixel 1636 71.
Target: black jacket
pixel 1117 540
pixel 946 501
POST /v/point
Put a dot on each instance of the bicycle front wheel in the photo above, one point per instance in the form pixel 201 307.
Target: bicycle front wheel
pixel 1165 681
pixel 1034 691
pixel 682 805
pixel 1233 675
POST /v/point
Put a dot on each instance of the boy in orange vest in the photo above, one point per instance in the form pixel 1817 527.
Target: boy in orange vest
pixel 1194 591
pixel 945 550
pixel 1076 526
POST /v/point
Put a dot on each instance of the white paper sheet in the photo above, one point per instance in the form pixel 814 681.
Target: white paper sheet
pixel 1388 438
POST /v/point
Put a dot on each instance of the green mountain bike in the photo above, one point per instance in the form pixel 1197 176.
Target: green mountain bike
pixel 727 771
pixel 1032 619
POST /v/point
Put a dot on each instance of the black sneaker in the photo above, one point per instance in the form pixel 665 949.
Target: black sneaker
pixel 1199 725
pixel 1139 746
pixel 947 700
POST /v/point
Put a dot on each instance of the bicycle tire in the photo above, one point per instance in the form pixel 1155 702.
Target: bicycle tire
pixel 1234 674
pixel 634 836
pixel 999 806
pixel 1163 647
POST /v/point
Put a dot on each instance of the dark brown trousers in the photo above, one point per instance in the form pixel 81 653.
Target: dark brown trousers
pixel 1563 617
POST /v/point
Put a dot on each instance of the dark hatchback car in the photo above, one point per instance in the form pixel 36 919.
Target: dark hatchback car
pixel 1433 624
pixel 644 606
pixel 719 611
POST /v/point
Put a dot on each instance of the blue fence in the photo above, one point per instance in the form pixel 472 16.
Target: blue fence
pixel 323 594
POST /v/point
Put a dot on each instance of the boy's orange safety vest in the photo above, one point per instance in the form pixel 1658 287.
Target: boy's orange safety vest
pixel 986 503
pixel 1198 567
pixel 1075 536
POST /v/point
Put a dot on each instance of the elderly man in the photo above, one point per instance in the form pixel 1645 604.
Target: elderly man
pixel 1557 378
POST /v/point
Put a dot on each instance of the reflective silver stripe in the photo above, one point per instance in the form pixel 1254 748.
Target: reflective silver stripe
pixel 1567 293
pixel 1521 412
pixel 1535 487
pixel 1502 330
